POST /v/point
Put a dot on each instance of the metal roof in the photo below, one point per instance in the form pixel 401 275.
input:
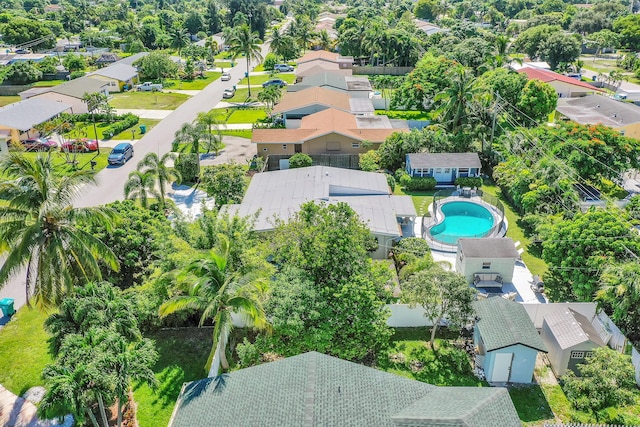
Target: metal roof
pixel 313 389
pixel 117 71
pixel 24 115
pixel 571 328
pixel 78 87
pixel 494 247
pixel 279 194
pixel 444 160
pixel 503 323
pixel 129 60
pixel 361 105
pixel 597 109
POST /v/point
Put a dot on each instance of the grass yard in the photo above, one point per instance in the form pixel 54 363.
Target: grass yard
pixel 183 355
pixel 532 405
pixel 242 94
pixel 196 84
pixel 534 262
pixel 421 199
pixel 203 147
pixel 87 129
pixel 259 79
pixel 24 351
pixel 223 64
pixel 240 115
pixel 126 134
pixel 147 100
pixel 239 133
pixel 83 159
pixel 404 115
pixel 6 100
pixel 48 83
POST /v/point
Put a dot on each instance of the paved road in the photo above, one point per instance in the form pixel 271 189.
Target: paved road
pixel 624 86
pixel 111 180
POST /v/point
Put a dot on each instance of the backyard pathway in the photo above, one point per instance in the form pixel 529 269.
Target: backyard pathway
pixel 18 412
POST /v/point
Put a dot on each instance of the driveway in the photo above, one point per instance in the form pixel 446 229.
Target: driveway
pixel 238 150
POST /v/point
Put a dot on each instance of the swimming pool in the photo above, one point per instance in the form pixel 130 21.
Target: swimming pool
pixel 462 219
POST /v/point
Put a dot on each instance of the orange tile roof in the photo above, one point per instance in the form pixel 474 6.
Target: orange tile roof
pixel 313 95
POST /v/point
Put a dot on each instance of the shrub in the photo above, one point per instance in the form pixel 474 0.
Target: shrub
pixel 187 165
pixel 77 74
pixel 300 160
pixel 404 179
pixel 270 61
pixel 391 181
pixel 369 161
pixel 125 122
pixel 248 354
pixel 469 182
pixel 399 173
pixel 421 184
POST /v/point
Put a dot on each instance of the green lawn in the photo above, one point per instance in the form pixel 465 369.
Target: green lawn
pixel 532 405
pixel 196 84
pixel 147 100
pixel 240 133
pixel 83 159
pixel 240 115
pixel 203 147
pixel 48 83
pixel 23 351
pixel 259 79
pixel 223 64
pixel 534 262
pixel 183 355
pixel 6 100
pixel 404 115
pixel 126 134
pixel 421 199
pixel 88 130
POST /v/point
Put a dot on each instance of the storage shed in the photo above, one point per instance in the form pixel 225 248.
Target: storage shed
pixel 486 256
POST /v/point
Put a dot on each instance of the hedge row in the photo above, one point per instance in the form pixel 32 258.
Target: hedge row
pixel 124 123
pixel 469 182
pixel 418 184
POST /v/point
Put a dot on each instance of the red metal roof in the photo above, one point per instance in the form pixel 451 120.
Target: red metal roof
pixel 549 76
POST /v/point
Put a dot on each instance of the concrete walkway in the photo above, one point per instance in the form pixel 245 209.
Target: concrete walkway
pixel 18 412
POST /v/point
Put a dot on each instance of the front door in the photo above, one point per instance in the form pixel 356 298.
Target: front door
pixel 501 367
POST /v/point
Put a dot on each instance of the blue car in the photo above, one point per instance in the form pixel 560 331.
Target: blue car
pixel 120 154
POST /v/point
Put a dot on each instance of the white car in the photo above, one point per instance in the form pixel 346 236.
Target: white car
pixel 225 77
pixel 229 93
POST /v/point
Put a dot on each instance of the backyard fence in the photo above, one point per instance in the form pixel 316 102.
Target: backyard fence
pixel 344 161
pixel 12 90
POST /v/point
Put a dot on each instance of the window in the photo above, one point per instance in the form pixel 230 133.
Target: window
pixel 438 170
pixel 486 265
pixel 588 354
pixel 577 354
pixel 447 170
pixel 284 147
pixel 355 145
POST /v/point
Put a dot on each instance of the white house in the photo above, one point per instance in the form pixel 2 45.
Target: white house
pixel 444 167
pixel 494 256
pixel 565 86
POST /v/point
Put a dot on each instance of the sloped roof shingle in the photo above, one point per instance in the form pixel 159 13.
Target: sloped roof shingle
pixel 571 328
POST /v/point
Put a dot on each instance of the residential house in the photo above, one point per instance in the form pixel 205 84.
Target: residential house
pixel 444 167
pixel 326 56
pixel 355 86
pixel 570 338
pixel 314 389
pixel 129 60
pixel 53 8
pixel 330 131
pixel 18 120
pixel 595 109
pixel 496 256
pixel 310 68
pixel 428 27
pixel 565 86
pixel 506 341
pixel 107 59
pixel 295 105
pixel 278 195
pixel 117 77
pixel 70 93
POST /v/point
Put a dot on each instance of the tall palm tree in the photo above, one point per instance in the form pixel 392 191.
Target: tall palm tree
pixel 157 167
pixel 141 185
pixel 455 99
pixel 276 42
pixel 324 41
pixel 270 96
pixel 218 293
pixel 179 38
pixel 210 121
pixel 190 134
pixel 39 226
pixel 212 48
pixel 243 41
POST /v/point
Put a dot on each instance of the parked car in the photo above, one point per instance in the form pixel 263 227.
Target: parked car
pixel 22 51
pixel 283 68
pixel 80 145
pixel 225 77
pixel 274 82
pixel 120 154
pixel 39 144
pixel 229 93
pixel 149 87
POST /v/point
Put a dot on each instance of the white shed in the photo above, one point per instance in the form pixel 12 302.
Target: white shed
pixel 486 256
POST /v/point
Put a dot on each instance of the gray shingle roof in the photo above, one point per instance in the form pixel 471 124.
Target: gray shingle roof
pixel 313 389
pixel 495 247
pixel 122 72
pixel 503 323
pixel 594 109
pixel 571 328
pixel 26 114
pixel 78 87
pixel 444 160
pixel 129 60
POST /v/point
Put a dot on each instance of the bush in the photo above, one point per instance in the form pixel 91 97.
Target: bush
pixel 405 179
pixel 421 184
pixel 125 122
pixel 399 173
pixel 300 160
pixel 469 182
pixel 270 61
pixel 77 74
pixel 187 165
pixel 391 181
pixel 248 354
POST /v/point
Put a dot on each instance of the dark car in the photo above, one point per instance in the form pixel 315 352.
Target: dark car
pixel 39 144
pixel 120 154
pixel 80 145
pixel 274 82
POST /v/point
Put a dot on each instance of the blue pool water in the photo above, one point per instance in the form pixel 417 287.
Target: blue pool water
pixel 462 219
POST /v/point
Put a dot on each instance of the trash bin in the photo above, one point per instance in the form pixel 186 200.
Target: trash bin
pixel 6 305
pixel 594 78
pixel 246 74
pixel 143 129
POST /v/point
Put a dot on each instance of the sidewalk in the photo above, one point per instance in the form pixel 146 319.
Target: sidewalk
pixel 147 114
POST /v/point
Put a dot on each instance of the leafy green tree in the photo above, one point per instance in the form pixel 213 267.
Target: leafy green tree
pixel 633 207
pixel 456 99
pixel 270 96
pixel 506 83
pixel 73 62
pixel 22 73
pixel 419 89
pixel 369 161
pixel 190 134
pixel 210 121
pixel 226 183
pixel 96 102
pixel 628 27
pixel 179 38
pixel 443 295
pixel 537 100
pixel 39 224
pixel 245 42
pixel 607 379
pixel 156 66
pixel 426 9
pixel 560 48
pixel 300 160
pixel 394 149
pixel 22 30
pixel 194 22
pixel 620 296
pixel 217 293
pixel 531 40
pixel 163 174
pixel 48 65
pixel 604 39
pixel 141 185
pixel 576 249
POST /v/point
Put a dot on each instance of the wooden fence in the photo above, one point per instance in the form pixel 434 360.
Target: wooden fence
pixel 345 161
pixel 390 71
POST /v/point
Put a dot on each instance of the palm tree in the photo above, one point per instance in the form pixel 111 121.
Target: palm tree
pixel 190 134
pixel 157 167
pixel 212 48
pixel 210 121
pixel 276 42
pixel 270 96
pixel 218 293
pixel 40 227
pixel 179 38
pixel 141 185
pixel 455 98
pixel 243 41
pixel 324 41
